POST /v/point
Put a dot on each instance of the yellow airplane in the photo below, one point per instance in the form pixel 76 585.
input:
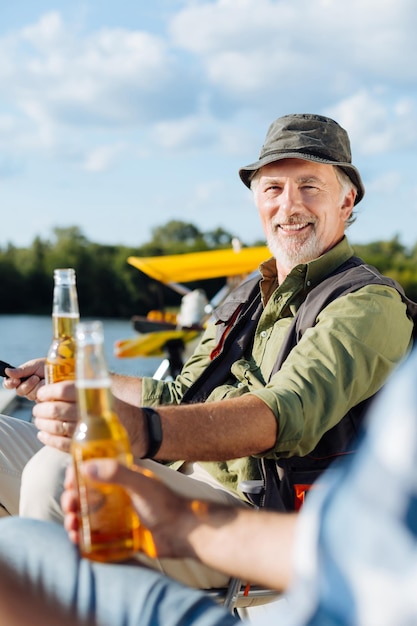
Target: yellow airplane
pixel 183 268
pixel 160 332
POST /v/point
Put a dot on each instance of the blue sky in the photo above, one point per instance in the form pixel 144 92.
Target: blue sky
pixel 119 116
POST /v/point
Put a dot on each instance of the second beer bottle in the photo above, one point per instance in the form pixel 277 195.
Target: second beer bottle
pixel 60 359
pixel 109 526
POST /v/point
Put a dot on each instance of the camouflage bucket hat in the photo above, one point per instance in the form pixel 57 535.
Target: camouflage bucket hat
pixel 309 137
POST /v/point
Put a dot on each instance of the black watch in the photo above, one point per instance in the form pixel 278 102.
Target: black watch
pixel 153 422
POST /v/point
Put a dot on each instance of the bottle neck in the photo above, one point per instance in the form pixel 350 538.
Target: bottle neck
pixel 64 325
pixel 94 399
pixel 65 299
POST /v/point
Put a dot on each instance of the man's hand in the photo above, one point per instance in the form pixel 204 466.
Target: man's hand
pixel 238 541
pixel 165 514
pixel 56 414
pixel 33 373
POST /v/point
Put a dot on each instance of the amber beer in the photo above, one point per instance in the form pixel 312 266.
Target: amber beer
pixel 109 525
pixel 60 359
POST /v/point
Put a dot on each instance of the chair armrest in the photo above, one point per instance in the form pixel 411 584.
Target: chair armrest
pixel 253 490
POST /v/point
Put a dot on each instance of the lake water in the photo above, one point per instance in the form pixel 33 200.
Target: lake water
pixel 24 337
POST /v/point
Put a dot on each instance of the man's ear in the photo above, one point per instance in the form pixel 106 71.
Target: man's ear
pixel 348 203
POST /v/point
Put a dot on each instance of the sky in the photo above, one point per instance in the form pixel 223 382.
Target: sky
pixel 117 117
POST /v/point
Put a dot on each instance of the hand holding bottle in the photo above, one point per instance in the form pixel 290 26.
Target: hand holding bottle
pixel 56 414
pixel 166 517
pixel 56 422
pixel 109 525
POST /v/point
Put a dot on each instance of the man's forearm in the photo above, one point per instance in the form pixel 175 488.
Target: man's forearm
pixel 213 431
pixel 127 388
pixel 254 546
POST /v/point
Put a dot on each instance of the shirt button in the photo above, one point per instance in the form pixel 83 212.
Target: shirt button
pixel 308 283
pixel 263 334
pixel 240 385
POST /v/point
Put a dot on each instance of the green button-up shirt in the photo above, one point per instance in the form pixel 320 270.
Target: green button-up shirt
pixel 344 359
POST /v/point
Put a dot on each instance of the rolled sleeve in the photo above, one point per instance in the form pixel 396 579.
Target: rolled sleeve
pixel 344 359
pixel 155 392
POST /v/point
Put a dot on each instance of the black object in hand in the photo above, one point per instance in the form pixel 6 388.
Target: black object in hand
pixel 3 366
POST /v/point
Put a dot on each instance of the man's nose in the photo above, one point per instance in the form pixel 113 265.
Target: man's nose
pixel 289 197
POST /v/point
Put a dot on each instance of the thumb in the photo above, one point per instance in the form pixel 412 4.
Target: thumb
pixel 112 471
pixel 103 470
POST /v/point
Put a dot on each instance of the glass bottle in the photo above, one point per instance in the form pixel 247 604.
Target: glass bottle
pixel 109 525
pixel 60 359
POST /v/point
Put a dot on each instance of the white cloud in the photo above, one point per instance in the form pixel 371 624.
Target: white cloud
pixel 265 57
pixel 253 44
pixel 112 76
pixel 206 83
pixel 49 32
pixel 191 132
pixel 103 157
pixel 375 125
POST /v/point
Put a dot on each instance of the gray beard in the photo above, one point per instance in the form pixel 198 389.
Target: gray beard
pixel 294 253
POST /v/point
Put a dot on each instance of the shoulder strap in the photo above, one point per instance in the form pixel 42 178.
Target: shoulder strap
pixel 349 277
pixel 242 310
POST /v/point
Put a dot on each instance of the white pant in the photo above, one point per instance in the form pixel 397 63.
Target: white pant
pixel 18 444
pixel 37 473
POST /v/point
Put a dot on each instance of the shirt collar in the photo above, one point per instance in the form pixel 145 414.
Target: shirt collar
pixel 313 271
pixel 319 268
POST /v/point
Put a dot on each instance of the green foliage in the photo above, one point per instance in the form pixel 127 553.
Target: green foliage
pixel 109 287
pixel 393 260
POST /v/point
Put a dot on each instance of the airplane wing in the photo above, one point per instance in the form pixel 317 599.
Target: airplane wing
pixel 183 268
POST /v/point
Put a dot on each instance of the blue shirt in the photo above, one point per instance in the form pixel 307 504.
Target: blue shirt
pixel 356 553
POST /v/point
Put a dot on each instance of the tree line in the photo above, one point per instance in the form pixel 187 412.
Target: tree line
pixel 108 287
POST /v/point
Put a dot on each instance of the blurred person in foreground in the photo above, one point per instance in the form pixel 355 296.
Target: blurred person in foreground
pixel 349 558
pixel 284 371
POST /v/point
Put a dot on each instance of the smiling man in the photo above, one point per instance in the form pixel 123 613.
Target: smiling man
pixel 296 200
pixel 284 369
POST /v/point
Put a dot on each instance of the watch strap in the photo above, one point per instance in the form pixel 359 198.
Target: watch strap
pixel 153 422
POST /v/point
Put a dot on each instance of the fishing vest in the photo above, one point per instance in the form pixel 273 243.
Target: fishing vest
pixel 288 480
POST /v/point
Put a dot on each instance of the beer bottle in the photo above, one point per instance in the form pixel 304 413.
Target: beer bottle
pixel 60 359
pixel 109 525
